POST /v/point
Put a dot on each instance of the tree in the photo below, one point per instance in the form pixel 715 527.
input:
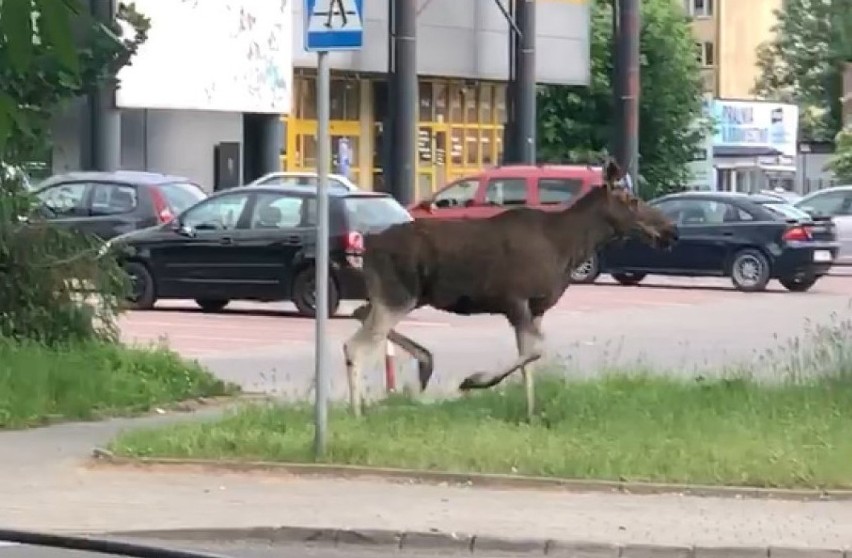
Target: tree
pixel 841 161
pixel 576 123
pixel 803 63
pixel 52 51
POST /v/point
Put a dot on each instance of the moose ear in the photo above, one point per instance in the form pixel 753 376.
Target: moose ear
pixel 612 173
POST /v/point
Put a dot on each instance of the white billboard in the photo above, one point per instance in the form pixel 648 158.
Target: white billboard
pixel 233 55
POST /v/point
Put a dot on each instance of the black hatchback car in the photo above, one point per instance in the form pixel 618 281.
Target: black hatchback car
pixel 256 244
pixel 751 238
pixel 107 204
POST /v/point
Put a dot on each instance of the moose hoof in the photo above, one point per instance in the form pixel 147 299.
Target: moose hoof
pixel 474 381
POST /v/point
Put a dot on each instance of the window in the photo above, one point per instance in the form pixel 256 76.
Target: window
pixel 558 190
pixel 366 213
pixel 785 210
pixel 699 8
pixel 66 200
pixel 181 195
pixel 216 214
pixel 457 195
pixel 113 199
pixel 276 211
pixel 828 204
pixel 705 53
pixel 703 212
pixel 506 191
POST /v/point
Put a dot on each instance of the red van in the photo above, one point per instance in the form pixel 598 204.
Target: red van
pixel 547 187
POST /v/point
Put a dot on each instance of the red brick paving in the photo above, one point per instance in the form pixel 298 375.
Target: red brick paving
pixel 254 326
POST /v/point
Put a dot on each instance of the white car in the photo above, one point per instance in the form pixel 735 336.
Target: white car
pixel 303 178
pixel 834 202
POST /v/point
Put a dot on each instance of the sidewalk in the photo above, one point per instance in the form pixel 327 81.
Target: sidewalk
pixel 85 499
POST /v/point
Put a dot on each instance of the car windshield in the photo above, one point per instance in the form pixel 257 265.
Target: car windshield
pixel 300 180
pixel 785 210
pixel 181 195
pixel 374 212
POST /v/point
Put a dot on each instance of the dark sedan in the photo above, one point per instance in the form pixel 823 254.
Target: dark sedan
pixel 749 238
pixel 257 244
pixel 107 204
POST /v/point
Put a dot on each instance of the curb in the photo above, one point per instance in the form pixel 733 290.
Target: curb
pixel 414 540
pixel 484 480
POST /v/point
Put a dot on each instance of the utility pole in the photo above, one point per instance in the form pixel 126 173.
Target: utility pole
pixel 526 88
pixel 404 92
pixel 104 116
pixel 627 85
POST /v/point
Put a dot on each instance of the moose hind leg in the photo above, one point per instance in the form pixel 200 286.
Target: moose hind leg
pixel 425 360
pixel 363 345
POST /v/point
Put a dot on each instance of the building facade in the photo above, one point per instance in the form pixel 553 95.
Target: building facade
pixel 728 34
pixel 462 61
pixel 463 64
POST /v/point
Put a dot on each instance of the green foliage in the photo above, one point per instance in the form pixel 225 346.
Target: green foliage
pixel 841 161
pixel 91 380
pixel 576 123
pixel 803 64
pixel 52 51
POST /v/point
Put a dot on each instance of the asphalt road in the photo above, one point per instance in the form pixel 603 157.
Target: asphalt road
pixel 677 326
pixel 245 550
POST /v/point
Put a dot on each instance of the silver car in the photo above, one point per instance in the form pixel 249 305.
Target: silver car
pixel 303 178
pixel 834 202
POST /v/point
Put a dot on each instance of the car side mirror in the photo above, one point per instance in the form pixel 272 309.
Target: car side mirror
pixel 182 229
pixel 425 205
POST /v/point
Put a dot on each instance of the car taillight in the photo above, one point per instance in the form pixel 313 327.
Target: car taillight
pixel 161 206
pixel 798 233
pixel 354 243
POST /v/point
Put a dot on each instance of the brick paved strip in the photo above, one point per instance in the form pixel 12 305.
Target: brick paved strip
pixel 489 480
pixel 487 545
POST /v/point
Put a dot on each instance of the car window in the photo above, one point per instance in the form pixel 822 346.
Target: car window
pixel 703 212
pixel 311 181
pixel 785 210
pixel 216 214
pixel 459 194
pixel 506 191
pixel 66 200
pixel 829 203
pixel 113 199
pixel 277 211
pixel 366 213
pixel 181 195
pixel 670 208
pixel 558 190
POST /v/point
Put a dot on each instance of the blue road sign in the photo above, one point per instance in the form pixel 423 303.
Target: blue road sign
pixel 334 25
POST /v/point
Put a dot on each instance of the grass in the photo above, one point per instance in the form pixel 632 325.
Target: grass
pixel 39 384
pixel 791 432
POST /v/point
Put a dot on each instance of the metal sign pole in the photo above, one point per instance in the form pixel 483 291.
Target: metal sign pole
pixel 330 25
pixel 323 163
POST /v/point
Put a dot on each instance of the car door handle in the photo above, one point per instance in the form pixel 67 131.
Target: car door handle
pixel 727 233
pixel 226 240
pixel 292 239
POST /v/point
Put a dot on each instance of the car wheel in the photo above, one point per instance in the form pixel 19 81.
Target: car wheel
pixel 628 278
pixel 212 304
pixel 586 272
pixel 798 284
pixel 750 271
pixel 143 293
pixel 304 293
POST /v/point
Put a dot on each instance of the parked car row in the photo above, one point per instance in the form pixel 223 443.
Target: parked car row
pixel 258 242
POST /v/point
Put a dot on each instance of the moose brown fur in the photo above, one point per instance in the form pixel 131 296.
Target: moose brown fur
pixel 516 264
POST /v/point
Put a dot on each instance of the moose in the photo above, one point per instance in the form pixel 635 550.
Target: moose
pixel 516 264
